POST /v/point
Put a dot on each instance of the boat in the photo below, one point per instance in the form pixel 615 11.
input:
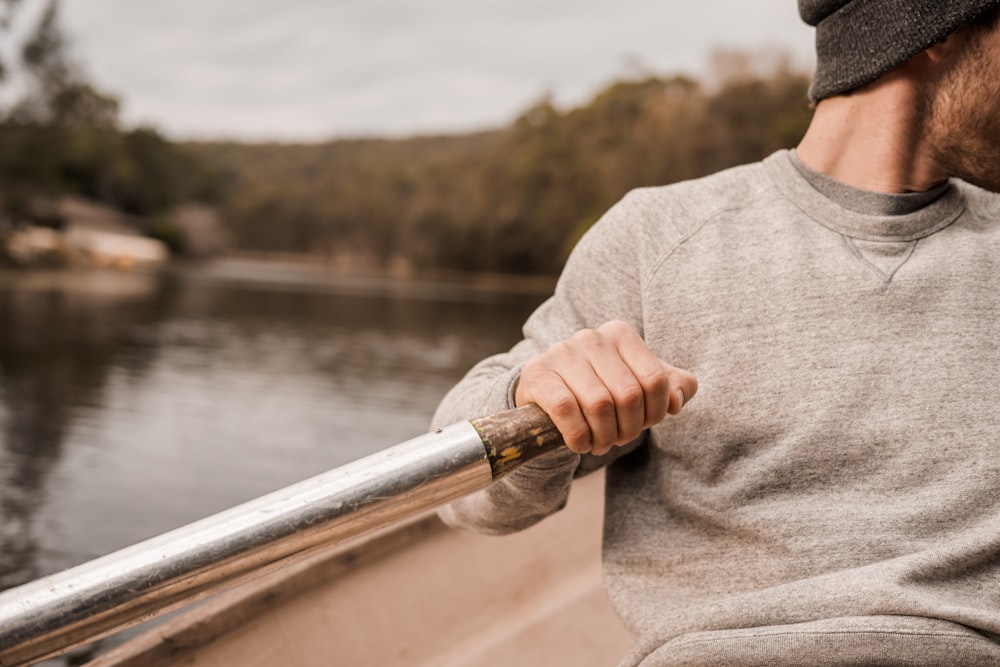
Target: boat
pixel 410 591
pixel 421 595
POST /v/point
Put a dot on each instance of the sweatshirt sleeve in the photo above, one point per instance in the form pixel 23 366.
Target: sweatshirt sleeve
pixel 600 283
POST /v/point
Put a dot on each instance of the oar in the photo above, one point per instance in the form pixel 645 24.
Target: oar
pixel 54 614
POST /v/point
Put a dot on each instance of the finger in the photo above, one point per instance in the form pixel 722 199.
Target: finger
pixel 610 397
pixel 604 387
pixel 683 387
pixel 561 405
pixel 595 402
pixel 626 395
pixel 547 380
pixel 547 389
pixel 651 375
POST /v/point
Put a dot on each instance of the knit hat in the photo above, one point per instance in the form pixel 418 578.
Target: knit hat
pixel 857 41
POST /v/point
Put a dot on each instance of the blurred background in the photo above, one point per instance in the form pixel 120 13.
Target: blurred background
pixel 243 242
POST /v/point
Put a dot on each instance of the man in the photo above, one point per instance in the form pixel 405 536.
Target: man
pixel 832 494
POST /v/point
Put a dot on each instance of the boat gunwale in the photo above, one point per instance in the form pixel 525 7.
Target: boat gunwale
pixel 199 626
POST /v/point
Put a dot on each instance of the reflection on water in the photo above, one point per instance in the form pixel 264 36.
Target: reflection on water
pixel 132 404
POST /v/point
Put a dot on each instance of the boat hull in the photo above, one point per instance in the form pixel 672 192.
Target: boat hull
pixel 421 594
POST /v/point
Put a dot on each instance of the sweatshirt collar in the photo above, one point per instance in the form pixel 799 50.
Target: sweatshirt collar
pixel 862 214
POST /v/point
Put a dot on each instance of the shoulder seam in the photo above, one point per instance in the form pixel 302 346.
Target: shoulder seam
pixel 648 278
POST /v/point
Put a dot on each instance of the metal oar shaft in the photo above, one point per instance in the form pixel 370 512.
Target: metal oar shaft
pixel 59 612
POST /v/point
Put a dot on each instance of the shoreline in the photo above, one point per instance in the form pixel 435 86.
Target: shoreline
pixel 290 272
pixel 318 265
pixel 279 273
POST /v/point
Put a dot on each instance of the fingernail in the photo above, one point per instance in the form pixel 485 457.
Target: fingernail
pixel 680 398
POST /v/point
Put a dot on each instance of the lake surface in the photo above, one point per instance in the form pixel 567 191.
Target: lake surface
pixel 131 404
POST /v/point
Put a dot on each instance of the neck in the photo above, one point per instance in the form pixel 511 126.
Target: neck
pixel 873 139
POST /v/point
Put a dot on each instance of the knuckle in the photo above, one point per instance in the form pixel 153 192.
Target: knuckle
pixel 630 396
pixel 562 406
pixel 585 338
pixel 617 330
pixel 536 364
pixel 535 376
pixel 599 404
pixel 655 379
pixel 555 353
pixel 615 326
pixel 630 393
pixel 578 437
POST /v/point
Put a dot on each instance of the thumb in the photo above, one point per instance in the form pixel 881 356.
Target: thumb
pixel 682 387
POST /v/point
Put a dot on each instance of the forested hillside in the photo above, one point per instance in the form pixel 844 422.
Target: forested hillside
pixel 514 199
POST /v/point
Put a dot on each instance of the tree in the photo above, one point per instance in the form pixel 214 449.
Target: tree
pixel 7 11
pixel 513 199
pixel 63 136
pixel 56 92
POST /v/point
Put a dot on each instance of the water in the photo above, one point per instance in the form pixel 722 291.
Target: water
pixel 131 404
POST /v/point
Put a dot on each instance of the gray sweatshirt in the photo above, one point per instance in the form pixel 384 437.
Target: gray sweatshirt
pixel 832 494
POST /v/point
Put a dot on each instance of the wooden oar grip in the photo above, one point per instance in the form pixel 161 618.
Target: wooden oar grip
pixel 515 436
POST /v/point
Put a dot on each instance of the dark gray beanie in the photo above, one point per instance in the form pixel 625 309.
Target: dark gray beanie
pixel 857 41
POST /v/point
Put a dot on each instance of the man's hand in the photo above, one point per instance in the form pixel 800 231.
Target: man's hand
pixel 602 387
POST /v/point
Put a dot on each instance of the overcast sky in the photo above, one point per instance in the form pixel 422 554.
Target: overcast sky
pixel 315 69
